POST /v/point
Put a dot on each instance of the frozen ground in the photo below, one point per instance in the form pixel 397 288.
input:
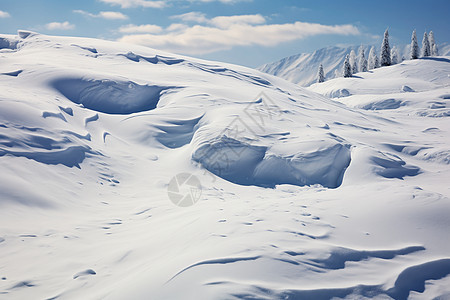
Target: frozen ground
pixel 302 196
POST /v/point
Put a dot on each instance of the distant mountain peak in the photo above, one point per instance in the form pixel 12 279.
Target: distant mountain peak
pixel 302 68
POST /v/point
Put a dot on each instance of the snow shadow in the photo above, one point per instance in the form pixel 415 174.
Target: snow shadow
pixel 176 133
pixel 108 96
pixel 70 157
pixel 388 167
pixel 6 43
pixel 246 164
pixel 411 279
pixel 153 60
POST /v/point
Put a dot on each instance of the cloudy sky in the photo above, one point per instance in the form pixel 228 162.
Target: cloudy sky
pixel 246 32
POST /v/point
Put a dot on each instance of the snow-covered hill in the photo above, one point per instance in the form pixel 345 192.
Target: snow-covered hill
pixel 130 173
pixel 302 68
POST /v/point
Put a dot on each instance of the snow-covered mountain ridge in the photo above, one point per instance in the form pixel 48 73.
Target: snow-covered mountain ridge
pixel 301 196
pixel 302 68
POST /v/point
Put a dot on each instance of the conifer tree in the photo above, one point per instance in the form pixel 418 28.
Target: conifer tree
pixel 435 50
pixel 426 51
pixel 433 46
pixel 385 55
pixel 372 58
pixel 347 68
pixel 414 46
pixel 320 75
pixel 362 61
pixel 431 42
pixel 394 56
pixel 353 63
pixel 377 62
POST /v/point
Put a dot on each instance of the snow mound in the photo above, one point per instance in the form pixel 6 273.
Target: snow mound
pixel 247 164
pixel 339 93
pixel 399 87
pixel 383 104
pixel 393 167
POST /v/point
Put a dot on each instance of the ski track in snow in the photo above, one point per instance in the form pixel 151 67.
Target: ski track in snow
pixel 303 196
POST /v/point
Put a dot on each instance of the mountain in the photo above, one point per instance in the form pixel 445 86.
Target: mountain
pixel 302 68
pixel 131 173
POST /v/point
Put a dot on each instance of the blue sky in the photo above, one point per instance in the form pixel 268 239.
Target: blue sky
pixel 246 32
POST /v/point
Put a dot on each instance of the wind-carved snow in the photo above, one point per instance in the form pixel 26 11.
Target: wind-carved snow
pixel 110 96
pixel 302 196
pixel 242 163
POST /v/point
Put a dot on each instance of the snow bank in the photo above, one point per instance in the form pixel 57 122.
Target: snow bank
pixel 246 164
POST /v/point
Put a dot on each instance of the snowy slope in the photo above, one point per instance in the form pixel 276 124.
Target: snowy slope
pixel 417 86
pixel 302 197
pixel 302 68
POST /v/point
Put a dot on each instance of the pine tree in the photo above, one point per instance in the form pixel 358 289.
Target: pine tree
pixel 320 75
pixel 385 54
pixel 372 58
pixel 377 62
pixel 353 63
pixel 433 46
pixel 362 61
pixel 347 68
pixel 435 50
pixel 426 51
pixel 414 46
pixel 394 56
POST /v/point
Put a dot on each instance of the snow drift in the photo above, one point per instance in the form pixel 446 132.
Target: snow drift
pixel 302 196
pixel 108 96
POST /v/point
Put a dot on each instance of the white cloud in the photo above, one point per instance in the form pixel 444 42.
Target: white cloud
pixel 4 14
pixel 112 15
pixel 194 16
pixel 227 21
pixel 223 1
pixel 59 26
pixel 148 28
pixel 221 21
pixel 177 27
pixel 161 3
pixel 108 15
pixel 136 3
pixel 226 32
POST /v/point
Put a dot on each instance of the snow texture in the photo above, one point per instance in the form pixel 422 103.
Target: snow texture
pixel 336 191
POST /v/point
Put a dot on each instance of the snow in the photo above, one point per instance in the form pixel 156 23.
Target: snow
pixel 130 173
pixel 302 68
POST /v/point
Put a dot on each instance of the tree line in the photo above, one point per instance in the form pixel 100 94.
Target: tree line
pixel 388 56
